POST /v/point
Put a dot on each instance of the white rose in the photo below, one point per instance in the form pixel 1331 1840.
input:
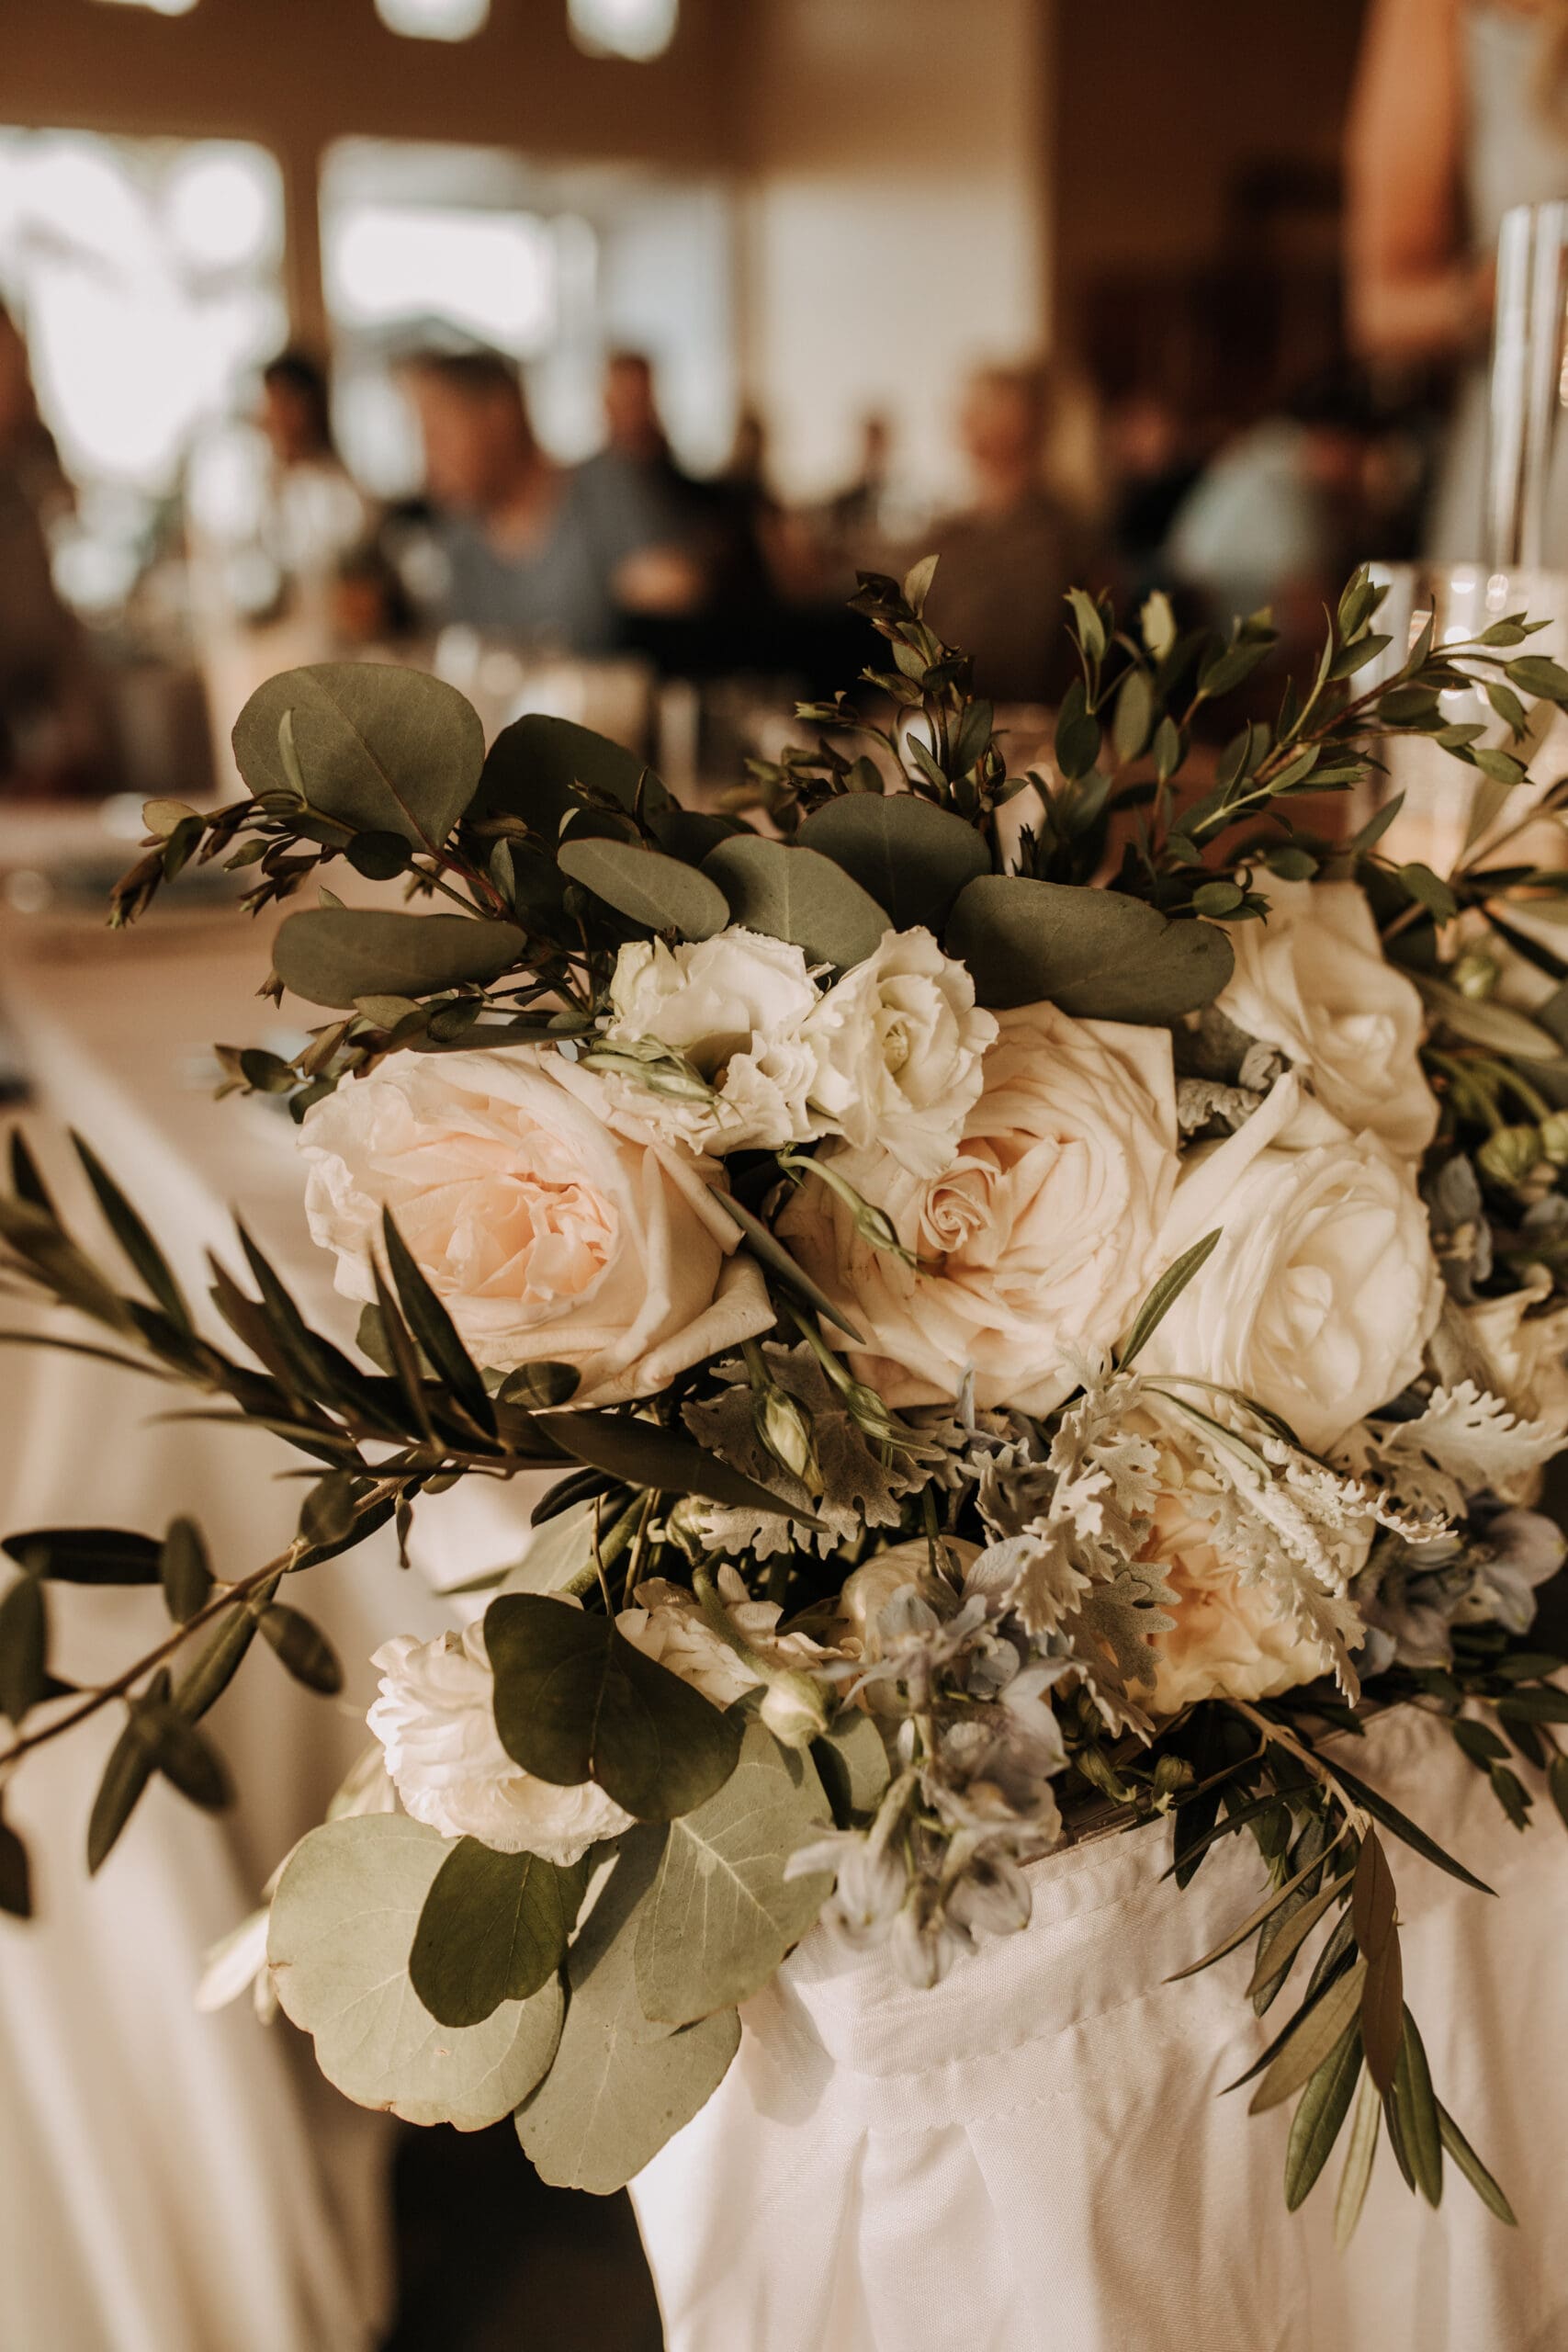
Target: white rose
pixel 550 1237
pixel 1039 1242
pixel 1525 1355
pixel 899 1042
pixel 668 1626
pixel 436 1720
pixel 1313 981
pixel 1323 1289
pixel 733 1006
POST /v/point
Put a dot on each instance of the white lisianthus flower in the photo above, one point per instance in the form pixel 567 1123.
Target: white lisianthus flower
pixel 1035 1244
pixel 898 1044
pixel 668 1626
pixel 1313 981
pixel 733 1006
pixel 436 1720
pixel 549 1235
pixel 1321 1294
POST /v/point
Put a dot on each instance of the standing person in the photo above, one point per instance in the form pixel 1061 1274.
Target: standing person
pixel 1459 112
pixel 314 514
pixel 1008 559
pixel 53 725
pixel 528 547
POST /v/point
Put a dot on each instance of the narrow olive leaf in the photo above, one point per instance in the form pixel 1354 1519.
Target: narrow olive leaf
pixel 575 1701
pixel 1405 1830
pixel 303 1647
pixel 185 1569
pixel 721 1914
pixel 218 1661
pixel 643 1454
pixel 68 1271
pixel 87 1554
pixel 1480 1021
pixel 126 1775
pixel 24 1642
pixel 645 884
pixel 909 856
pixel 1165 1293
pixel 328 1511
pixel 182 1753
pixel 26 1181
pixel 403 1358
pixel 494 1928
pixel 134 1237
pixel 1275 1959
pixel 1382 2012
pixel 434 1330
pixel 15 1875
pixel 1419 2126
pixel 1557 1777
pixel 1253 1920
pixel 1475 2171
pixel 1320 2112
pixel 338 1940
pixel 1356 2171
pixel 1198 1844
pixel 540 1385
pixel 772 1254
pixel 1311 2040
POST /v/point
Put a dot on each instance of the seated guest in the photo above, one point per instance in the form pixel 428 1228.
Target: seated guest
pixel 52 726
pixel 1008 559
pixel 313 514
pixel 528 547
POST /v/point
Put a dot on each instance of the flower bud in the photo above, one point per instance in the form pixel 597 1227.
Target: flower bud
pixel 785 1428
pixel 794 1709
pixel 1511 1155
pixel 1554 1138
pixel 1476 974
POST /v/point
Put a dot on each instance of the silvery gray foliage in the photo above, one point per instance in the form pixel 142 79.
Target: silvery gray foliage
pixel 1462 1235
pixel 1412 1595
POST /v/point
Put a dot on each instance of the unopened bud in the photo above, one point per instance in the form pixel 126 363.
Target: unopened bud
pixel 1554 1138
pixel 785 1428
pixel 794 1709
pixel 1511 1155
pixel 1476 975
pixel 684 1525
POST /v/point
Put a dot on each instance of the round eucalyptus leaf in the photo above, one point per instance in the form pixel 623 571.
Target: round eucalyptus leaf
pixel 621 2084
pixel 799 895
pixel 575 1701
pixel 377 855
pixel 342 1925
pixel 336 955
pixel 721 1915
pixel 911 856
pixel 648 886
pixel 537 767
pixel 1094 953
pixel 384 749
pixel 494 1929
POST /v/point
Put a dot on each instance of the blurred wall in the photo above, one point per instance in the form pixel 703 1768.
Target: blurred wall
pixel 896 224
pixel 297 74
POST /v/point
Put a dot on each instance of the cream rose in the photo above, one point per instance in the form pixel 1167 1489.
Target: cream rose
pixel 435 1720
pixel 733 1006
pixel 549 1235
pixel 898 1045
pixel 1035 1245
pixel 1313 981
pixel 1323 1289
pixel 1525 1354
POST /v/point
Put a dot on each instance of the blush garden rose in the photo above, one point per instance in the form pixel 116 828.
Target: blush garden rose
pixel 1037 1242
pixel 549 1236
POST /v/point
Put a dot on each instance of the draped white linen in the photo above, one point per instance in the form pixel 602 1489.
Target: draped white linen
pixel 1034 2156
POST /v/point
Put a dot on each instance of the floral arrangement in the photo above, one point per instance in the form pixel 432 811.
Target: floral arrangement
pixel 1043 1300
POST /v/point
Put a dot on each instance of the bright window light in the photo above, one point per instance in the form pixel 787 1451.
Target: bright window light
pixel 160 7
pixel 146 275
pixel 488 274
pixel 633 29
pixel 433 19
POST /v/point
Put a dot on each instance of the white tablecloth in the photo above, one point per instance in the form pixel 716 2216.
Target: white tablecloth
pixel 1034 2158
pixel 175 2182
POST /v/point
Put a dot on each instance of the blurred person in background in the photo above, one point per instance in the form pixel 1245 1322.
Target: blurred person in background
pixel 528 548
pixel 1007 559
pixel 856 516
pixel 1284 510
pixel 1151 465
pixel 314 514
pixel 52 726
pixel 1459 112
